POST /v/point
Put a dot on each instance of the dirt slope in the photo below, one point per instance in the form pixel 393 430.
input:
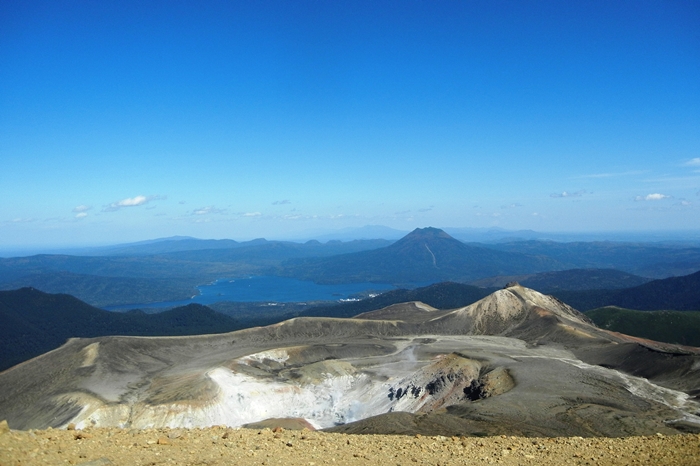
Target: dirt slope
pixel 225 446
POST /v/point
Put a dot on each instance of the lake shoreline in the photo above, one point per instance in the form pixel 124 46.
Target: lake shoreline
pixel 266 289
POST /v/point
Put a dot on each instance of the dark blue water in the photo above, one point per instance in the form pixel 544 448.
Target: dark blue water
pixel 267 289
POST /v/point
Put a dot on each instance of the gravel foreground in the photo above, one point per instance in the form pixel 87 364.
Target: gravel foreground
pixel 228 446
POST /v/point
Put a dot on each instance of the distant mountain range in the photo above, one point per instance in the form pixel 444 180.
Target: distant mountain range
pixel 674 293
pixel 138 274
pixel 169 269
pixel 431 255
pixel 643 259
pixel 424 255
pixel 466 234
pixel 178 244
pixel 501 235
pixel 573 279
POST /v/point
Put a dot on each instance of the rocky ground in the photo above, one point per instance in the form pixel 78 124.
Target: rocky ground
pixel 226 446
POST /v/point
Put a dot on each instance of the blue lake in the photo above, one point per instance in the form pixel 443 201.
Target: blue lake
pixel 267 289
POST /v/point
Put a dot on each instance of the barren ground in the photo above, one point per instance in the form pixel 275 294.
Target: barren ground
pixel 226 446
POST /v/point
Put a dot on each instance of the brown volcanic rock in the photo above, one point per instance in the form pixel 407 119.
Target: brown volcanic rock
pixel 496 382
pixel 280 425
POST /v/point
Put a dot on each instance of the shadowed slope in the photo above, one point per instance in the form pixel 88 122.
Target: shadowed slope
pixel 33 322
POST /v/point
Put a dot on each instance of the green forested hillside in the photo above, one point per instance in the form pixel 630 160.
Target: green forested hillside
pixel 674 293
pixel 446 295
pixel 108 291
pixel 669 326
pixel 572 279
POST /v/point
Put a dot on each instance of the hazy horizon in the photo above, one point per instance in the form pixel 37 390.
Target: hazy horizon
pixel 370 232
pixel 128 121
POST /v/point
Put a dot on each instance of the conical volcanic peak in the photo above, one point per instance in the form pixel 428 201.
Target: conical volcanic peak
pixel 515 299
pixel 429 236
pixel 506 311
pixel 426 233
pixel 430 248
pixel 532 299
pixel 426 255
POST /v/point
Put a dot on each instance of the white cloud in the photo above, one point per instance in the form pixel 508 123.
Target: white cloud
pixel 131 202
pixel 693 162
pixel 81 215
pixel 569 194
pixel 81 208
pixel 207 210
pixel 282 202
pixel 511 206
pixel 610 175
pixel 252 214
pixel 652 197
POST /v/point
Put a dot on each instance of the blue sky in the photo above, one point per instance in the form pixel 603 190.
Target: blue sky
pixel 124 121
